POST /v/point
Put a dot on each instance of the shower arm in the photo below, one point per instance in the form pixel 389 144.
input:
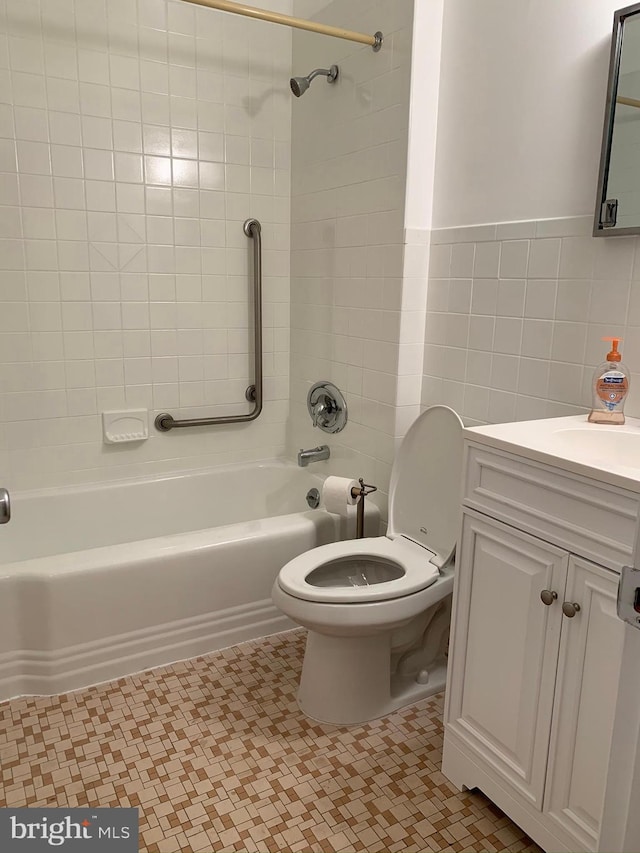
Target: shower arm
pixel 374 41
pixel 326 72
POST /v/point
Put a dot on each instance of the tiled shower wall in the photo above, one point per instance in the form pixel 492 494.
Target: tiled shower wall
pixel 348 192
pixel 135 139
pixel 516 313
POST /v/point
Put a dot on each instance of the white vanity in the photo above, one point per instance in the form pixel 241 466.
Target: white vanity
pixel 550 511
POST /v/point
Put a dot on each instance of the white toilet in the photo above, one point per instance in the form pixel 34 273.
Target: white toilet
pixel 378 609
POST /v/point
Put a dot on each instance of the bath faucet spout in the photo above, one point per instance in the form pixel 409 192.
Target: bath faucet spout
pixel 316 454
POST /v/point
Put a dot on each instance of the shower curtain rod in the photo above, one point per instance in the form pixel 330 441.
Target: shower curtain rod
pixel 374 41
pixel 628 102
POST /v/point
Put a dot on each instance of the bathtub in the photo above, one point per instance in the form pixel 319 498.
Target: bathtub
pixel 101 581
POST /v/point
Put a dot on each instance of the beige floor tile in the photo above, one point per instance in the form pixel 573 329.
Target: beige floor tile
pixel 217 757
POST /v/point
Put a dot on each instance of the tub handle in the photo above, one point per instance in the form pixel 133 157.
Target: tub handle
pixel 165 421
pixel 5 506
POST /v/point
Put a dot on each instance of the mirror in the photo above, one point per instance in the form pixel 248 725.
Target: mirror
pixel 618 201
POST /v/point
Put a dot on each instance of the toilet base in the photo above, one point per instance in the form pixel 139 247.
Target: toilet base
pixel 348 680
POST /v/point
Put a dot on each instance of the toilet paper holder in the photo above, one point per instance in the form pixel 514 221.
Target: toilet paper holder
pixel 361 491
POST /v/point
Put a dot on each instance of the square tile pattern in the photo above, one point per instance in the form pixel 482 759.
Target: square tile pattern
pixel 136 137
pixel 216 755
pixel 516 314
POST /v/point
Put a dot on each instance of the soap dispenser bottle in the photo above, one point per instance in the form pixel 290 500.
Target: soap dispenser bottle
pixel 610 388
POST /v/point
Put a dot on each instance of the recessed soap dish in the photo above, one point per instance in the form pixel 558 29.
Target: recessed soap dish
pixel 123 426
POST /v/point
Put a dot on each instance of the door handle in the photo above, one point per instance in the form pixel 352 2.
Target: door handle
pixel 629 596
pixel 5 506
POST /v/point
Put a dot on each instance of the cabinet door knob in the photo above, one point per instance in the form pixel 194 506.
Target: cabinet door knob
pixel 548 596
pixel 570 609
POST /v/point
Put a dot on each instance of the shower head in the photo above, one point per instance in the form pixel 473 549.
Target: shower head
pixel 299 85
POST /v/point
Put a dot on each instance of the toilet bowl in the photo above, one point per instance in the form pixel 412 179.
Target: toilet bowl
pixel 377 610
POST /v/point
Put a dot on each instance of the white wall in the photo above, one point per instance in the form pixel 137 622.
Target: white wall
pixel 426 60
pixel 135 138
pixel 519 293
pixel 522 94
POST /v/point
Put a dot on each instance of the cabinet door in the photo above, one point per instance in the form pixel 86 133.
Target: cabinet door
pixel 505 650
pixel 586 693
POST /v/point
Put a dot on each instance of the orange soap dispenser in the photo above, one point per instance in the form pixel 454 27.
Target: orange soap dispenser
pixel 610 388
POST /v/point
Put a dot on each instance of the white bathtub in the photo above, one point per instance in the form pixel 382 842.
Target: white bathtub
pixel 100 581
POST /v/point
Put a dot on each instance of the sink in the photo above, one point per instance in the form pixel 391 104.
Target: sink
pixel 601 445
pixel 605 452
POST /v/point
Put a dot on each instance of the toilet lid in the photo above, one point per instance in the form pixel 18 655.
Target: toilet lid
pixel 424 494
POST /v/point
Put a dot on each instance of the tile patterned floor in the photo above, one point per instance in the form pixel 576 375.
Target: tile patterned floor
pixel 217 757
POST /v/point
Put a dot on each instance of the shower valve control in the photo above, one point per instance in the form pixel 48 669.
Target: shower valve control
pixel 327 407
pixel 5 506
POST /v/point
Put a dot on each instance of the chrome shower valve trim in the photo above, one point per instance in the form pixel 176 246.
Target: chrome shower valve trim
pixel 327 407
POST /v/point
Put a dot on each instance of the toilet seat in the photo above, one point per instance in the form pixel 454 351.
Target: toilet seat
pixel 399 554
pixel 422 528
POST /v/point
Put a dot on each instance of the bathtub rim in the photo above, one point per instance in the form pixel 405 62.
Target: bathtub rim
pixel 182 473
pixel 141 550
pixel 110 490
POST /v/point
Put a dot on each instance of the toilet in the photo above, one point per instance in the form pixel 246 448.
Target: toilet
pixel 378 609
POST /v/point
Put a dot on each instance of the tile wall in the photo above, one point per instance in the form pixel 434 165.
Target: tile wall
pixel 516 313
pixel 136 136
pixel 350 304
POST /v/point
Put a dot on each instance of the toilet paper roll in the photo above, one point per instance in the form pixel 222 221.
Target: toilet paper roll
pixel 336 493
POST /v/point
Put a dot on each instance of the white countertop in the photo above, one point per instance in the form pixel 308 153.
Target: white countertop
pixel 609 454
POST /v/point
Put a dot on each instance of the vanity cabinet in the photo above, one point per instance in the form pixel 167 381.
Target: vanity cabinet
pixel 536 643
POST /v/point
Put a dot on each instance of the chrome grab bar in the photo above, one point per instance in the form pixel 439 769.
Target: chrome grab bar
pixel 166 422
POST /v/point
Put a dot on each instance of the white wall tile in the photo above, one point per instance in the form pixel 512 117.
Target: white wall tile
pixel 511 298
pixel 614 259
pixel 117 134
pixel 486 260
pixel 484 296
pixel 540 300
pixel 569 342
pixel 577 256
pixel 609 301
pixel 358 282
pixel 462 260
pixel 514 257
pixel 544 258
pixel 534 340
pixel 573 298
